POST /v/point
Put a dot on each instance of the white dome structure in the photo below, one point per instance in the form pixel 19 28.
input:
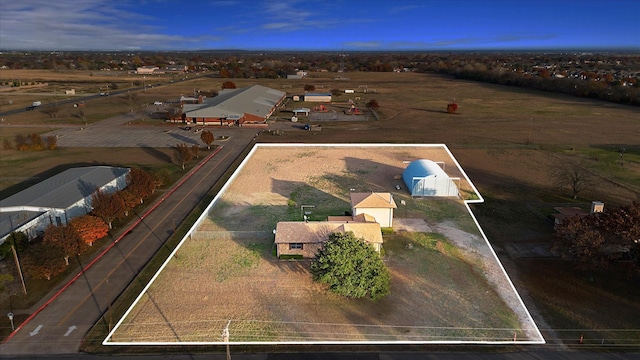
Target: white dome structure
pixel 426 178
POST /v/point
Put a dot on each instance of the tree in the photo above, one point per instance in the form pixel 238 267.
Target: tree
pixel 351 268
pixel 43 261
pixel 65 238
pixel 309 87
pixel 106 206
pixel 52 142
pixel 17 239
pixel 195 149
pixel 182 154
pixel 140 183
pixel 228 85
pixel 373 103
pixel 576 175
pixel 452 108
pixel 207 138
pixel 594 241
pixel 6 144
pixel 129 199
pixel 36 142
pixel 90 228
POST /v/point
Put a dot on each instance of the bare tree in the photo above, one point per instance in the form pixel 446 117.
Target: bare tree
pixel 183 154
pixel 576 175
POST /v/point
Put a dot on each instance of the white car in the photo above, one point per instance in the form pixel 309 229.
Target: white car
pixel 157 103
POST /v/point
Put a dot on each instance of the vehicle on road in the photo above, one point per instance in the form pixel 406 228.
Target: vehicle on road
pixel 310 127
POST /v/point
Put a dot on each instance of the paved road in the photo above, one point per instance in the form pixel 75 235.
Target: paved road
pixel 61 325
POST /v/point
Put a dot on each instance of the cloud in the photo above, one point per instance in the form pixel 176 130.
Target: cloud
pixel 363 44
pixel 82 24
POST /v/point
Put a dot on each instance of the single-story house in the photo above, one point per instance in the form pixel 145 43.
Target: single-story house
pixel 426 178
pixel 57 199
pixel 378 205
pixel 250 105
pixel 307 238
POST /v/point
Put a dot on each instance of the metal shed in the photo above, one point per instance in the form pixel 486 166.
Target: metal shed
pixel 426 178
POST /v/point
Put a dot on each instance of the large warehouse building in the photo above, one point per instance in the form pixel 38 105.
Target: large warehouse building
pixel 57 199
pixel 250 105
pixel 426 178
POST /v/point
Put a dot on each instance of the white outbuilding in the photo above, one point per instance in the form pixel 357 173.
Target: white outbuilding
pixel 426 178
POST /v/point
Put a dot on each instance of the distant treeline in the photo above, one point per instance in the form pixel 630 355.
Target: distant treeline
pixel 589 88
pixel 606 76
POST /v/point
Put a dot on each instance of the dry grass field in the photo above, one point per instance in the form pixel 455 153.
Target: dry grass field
pixel 446 284
pixel 505 138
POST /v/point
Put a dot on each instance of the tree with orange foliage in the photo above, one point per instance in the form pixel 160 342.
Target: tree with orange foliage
pixel 65 238
pixel 43 261
pixel 52 142
pixel 129 200
pixel 228 85
pixel 90 228
pixel 141 183
pixel 207 138
pixel 452 108
pixel 106 206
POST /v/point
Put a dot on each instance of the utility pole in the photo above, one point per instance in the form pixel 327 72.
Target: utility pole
pixel 15 257
pixel 225 338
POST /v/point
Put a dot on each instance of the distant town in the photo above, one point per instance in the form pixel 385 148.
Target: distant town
pixel 599 75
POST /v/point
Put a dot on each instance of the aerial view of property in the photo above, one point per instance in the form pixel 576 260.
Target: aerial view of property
pixel 320 179
pixel 447 285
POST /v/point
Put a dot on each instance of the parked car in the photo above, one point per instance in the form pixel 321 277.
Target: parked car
pixel 157 103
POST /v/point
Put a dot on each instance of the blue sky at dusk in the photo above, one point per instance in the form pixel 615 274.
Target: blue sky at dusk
pixel 319 25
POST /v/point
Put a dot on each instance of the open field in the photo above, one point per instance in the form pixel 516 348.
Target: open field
pixel 446 284
pixel 506 140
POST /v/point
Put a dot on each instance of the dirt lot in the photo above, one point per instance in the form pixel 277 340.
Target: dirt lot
pixel 446 285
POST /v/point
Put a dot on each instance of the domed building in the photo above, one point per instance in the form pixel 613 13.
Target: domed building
pixel 426 178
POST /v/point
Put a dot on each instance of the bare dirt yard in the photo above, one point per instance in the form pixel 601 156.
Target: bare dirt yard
pixel 446 283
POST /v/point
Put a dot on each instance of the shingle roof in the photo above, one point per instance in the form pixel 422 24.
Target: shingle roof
pixel 373 200
pixel 318 231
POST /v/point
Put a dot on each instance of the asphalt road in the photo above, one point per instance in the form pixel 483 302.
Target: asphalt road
pixel 60 327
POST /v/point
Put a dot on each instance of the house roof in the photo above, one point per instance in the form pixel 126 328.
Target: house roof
pixel 566 212
pixel 65 189
pixel 373 200
pixel 256 100
pixel 318 231
pixel 358 218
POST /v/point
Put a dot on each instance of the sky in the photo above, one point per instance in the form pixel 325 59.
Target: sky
pixel 311 25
